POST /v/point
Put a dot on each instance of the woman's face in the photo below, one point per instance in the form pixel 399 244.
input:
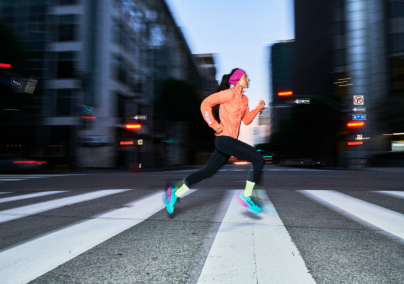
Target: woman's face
pixel 243 82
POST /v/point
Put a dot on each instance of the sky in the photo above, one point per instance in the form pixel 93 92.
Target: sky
pixel 238 33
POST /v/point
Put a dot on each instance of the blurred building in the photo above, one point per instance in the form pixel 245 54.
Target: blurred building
pixel 313 63
pixel 106 55
pixel 264 127
pixel 282 64
pixel 353 48
pixel 207 66
pixel 368 43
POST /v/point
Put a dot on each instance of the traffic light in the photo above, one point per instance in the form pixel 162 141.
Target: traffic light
pixel 285 93
pixel 285 96
pixel 355 124
pixel 133 126
pixel 132 129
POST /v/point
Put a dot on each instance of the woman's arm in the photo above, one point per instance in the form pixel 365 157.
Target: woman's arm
pixel 250 115
pixel 211 101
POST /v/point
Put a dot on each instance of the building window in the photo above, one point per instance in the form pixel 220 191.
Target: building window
pixel 338 3
pixel 37 9
pixel 396 43
pixel 64 102
pixel 67 28
pixel 115 31
pixel 65 65
pixel 395 10
pixel 397 74
pixel 340 57
pixel 339 28
pixel 68 2
pixel 121 36
pixel 120 69
pixel 120 105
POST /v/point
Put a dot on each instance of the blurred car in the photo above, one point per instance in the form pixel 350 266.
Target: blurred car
pixel 242 162
pixel 307 162
pixel 233 160
pixel 10 162
pixel 289 162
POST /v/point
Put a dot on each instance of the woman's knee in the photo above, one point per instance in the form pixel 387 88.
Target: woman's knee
pixel 260 161
pixel 207 172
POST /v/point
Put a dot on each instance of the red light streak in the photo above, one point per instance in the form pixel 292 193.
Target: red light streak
pixel 355 143
pixel 89 117
pixel 126 143
pixel 355 124
pixel 5 65
pixel 289 93
pixel 133 126
pixel 29 162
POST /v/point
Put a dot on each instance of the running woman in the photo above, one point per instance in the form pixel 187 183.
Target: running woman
pixel 233 110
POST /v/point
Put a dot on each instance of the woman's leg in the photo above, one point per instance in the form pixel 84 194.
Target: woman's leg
pixel 214 162
pixel 243 151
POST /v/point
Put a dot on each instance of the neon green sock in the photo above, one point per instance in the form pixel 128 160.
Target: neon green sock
pixel 248 188
pixel 181 191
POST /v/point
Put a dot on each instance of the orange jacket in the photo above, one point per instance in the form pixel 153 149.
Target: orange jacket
pixel 233 109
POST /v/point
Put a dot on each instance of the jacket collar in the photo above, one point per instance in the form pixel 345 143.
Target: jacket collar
pixel 235 91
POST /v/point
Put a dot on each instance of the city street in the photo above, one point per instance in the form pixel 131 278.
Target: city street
pixel 317 226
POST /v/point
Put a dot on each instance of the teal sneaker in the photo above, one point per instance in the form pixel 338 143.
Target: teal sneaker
pixel 171 197
pixel 248 203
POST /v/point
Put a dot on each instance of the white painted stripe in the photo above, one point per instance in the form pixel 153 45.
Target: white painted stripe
pixel 39 175
pixel 253 249
pixel 23 177
pixel 10 179
pixel 30 260
pixel 296 170
pixel 4 192
pixel 19 212
pixel 399 194
pixel 385 219
pixel 26 196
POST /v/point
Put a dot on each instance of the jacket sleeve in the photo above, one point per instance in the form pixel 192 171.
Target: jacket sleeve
pixel 207 104
pixel 250 115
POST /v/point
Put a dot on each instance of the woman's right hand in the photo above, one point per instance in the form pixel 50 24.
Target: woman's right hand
pixel 218 128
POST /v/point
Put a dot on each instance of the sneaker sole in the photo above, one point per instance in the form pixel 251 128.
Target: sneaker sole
pixel 243 203
pixel 169 193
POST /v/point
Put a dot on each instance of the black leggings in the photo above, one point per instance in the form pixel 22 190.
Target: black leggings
pixel 227 146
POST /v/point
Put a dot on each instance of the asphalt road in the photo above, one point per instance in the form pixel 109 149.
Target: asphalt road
pixel 317 226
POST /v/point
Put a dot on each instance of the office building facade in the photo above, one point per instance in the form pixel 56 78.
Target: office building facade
pixel 98 54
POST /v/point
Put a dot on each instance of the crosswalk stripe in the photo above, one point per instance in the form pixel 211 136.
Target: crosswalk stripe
pixel 4 192
pixel 253 250
pixel 20 264
pixel 22 177
pixel 19 212
pixel 10 179
pixel 399 194
pixel 26 196
pixel 385 219
pixel 40 175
